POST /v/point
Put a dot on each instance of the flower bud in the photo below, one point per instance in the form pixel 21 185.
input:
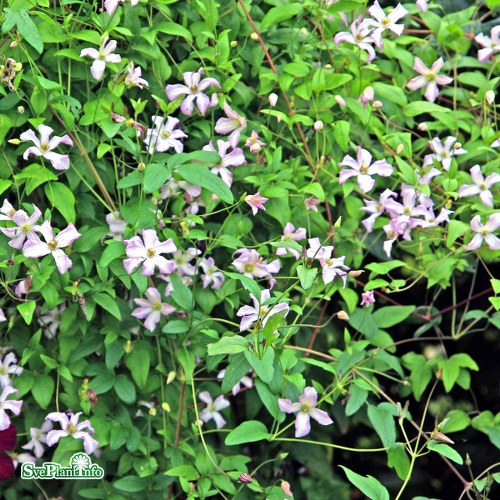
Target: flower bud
pixel 254 36
pixel 355 273
pixel 343 316
pixel 328 66
pixel 233 44
pixel 285 486
pixel 273 99
pixel 13 44
pixel 171 377
pixel 245 478
pixel 20 110
pixel 165 407
pixel 400 149
pixel 304 31
pixel 490 97
pixel 441 438
pixel 141 167
pixel 422 126
pixel 14 141
pixel 339 100
pixel 377 104
pixel 468 461
pixel 152 412
pixel 318 125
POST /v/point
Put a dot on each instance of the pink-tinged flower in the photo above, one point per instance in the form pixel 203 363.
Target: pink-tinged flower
pixel 367 96
pixel 305 409
pixel 7 211
pixel 235 158
pixel 393 230
pixel 246 380
pixel 26 227
pixel 112 5
pixel 116 225
pixel 443 152
pixel 311 203
pixel 44 145
pixel 491 45
pixel 290 234
pixel 21 458
pixel 172 186
pixel 273 99
pixel 408 210
pixel 432 221
pixel 134 77
pixel 251 264
pixel 2 316
pixel 254 143
pixel 8 366
pixel 130 122
pixel 333 267
pixel 148 253
pixel 211 412
pixel 495 143
pixel 162 136
pixel 152 308
pixel 428 77
pixel 101 57
pixel 38 439
pixel 8 404
pixel 212 276
pixel 375 208
pixel 71 427
pixel 182 261
pixel 261 311
pixel 427 175
pixel 52 245
pixel 51 320
pixel 193 89
pixel 422 5
pixel 360 35
pixel 285 485
pixel 23 287
pixel 234 124
pixel 363 169
pixel 481 186
pixel 256 201
pixel 316 250
pixel 367 298
pixel 383 22
pixel 484 232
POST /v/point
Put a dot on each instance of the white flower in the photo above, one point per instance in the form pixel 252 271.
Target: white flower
pixel 101 57
pixel 211 412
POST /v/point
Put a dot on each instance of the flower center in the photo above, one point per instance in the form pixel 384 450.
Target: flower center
pixel 363 169
pixel 26 228
pixel 359 37
pixel 430 77
pixel 305 407
pixel 483 186
pixel 248 267
pixel 157 307
pixel 263 311
pixel 71 429
pixel 211 408
pixel 151 252
pixel 385 22
pixel 3 371
pixel 407 211
pixel 165 134
pixel 52 245
pixel 194 89
pixel 101 56
pixel 484 232
pixel 44 147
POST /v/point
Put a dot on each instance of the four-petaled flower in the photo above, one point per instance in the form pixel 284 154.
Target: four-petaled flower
pixel 211 275
pixel 163 136
pixel 481 186
pixel 26 227
pixel 383 22
pixel 134 77
pixel 491 44
pixel 291 234
pixel 428 77
pixel 305 409
pixel 45 144
pixel 360 35
pixel 8 366
pixel 261 311
pixel 256 201
pixel 484 232
pixel 211 412
pixel 152 308
pixel 38 439
pixel 367 298
pixel 443 152
pixel 193 89
pixel 101 57
pixel 71 427
pixel 234 124
pixel 234 158
pixel 8 404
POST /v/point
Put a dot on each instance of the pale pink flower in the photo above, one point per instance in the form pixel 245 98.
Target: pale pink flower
pixel 112 5
pixel 484 232
pixel 51 320
pixel 422 5
pixel 193 89
pixel 182 261
pixel 234 158
pixel 375 208
pixel 251 264
pixel 211 412
pixel 481 186
pixel 162 136
pixel 23 287
pixel 2 316
pixel 54 245
pixel 305 409
pixel 71 427
pixel 261 311
pixel 311 203
pixel 360 35
pixel 26 227
pixel 116 225
pixel 212 276
pixel 172 186
pixel 38 439
pixel 21 458
pixel 254 143
pixel 8 366
pixel 394 230
pixel 363 169
pixel 367 298
pixel 246 380
pixel 44 145
pixel 101 57
pixel 333 267
pixel 148 253
pixel 443 152
pixel 8 404
pixel 7 211
pixel 383 22
pixel 273 99
pixel 290 234
pixel 491 45
pixel 408 210
pixel 316 250
pixel 428 77
pixel 256 201
pixel 151 308
pixel 134 77
pixel 234 124
pixel 367 96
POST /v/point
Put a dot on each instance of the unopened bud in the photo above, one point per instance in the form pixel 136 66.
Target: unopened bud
pixel 273 99
pixel 400 149
pixel 152 412
pixel 254 36
pixel 245 478
pixel 422 126
pixel 141 167
pixel 457 145
pixel 355 273
pixel 233 44
pixel 377 104
pixel 285 486
pixel 338 223
pixel 128 346
pixel 468 461
pixel 441 438
pixel 13 44
pixel 343 316
pixel 20 110
pixel 490 97
pixel 304 31
pixel 17 67
pixel 14 141
pixel 283 456
pixel 340 100
pixel 328 66
pixel 318 125
pixel 198 423
pixel 165 407
pixel 439 373
pixel 171 377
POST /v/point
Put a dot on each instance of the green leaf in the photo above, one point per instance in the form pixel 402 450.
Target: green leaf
pixel 445 450
pixel 5 124
pixel 384 267
pixel 457 420
pixel 174 29
pixel 398 459
pixel 108 303
pixel 27 309
pixel 278 14
pixel 421 107
pixel 228 345
pixel 155 176
pixel 138 362
pixel 188 472
pixel 61 198
pixel 125 389
pixel 114 250
pixel 341 130
pixel 263 367
pixel 201 176
pixel 25 25
pixel 456 229
pixel 42 390
pixel 368 485
pixel 306 276
pixel 181 294
pixel 383 423
pixel 247 432
pixel 132 179
pixel 131 484
pixel 36 175
pixel 248 283
pixel 388 316
pixel 357 398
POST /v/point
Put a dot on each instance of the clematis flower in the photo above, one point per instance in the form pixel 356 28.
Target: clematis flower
pixel 116 225
pixel 333 267
pixel 383 22
pixel 235 158
pixel 375 208
pixel 484 232
pixel 234 124
pixel 7 442
pixel 38 439
pixel 8 404
pixel 360 35
pixel 182 261
pixel 44 145
pixel 367 96
pixel 8 366
pixel 422 5
pixel 112 5
pixel 246 380
pixel 193 89
pixel 134 77
pixel 311 203
pixel 254 143
pixel 316 250
pixel 305 410
pixel 51 320
pixel 394 230
pixel 152 308
pixel 23 287
pixel 443 152
pixel 172 186
pixel 481 186
pixel 251 264
pixel 21 458
pixel 162 136
pixel 256 201
pixel 7 211
pixel 408 211
pixel 53 244
pixel 260 311
pixel 428 77
pixel 148 253
pixel 71 427
pixel 26 227
pixel 211 412
pixel 212 275
pixel 101 57
pixel 491 44
pixel 363 169
pixel 290 234
pixel 367 298
pixel 2 316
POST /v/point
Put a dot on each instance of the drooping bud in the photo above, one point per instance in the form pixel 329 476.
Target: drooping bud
pixel 273 99
pixel 318 125
pixel 377 104
pixel 490 97
pixel 165 407
pixel 170 377
pixel 422 126
pixel 343 316
pixel 441 438
pixel 233 43
pixel 355 273
pixel 285 486
pixel 340 100
pixel 400 149
pixel 254 36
